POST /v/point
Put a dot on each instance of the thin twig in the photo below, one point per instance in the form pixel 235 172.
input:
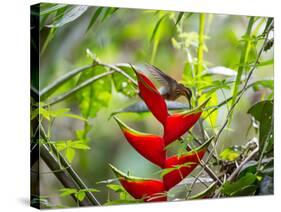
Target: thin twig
pixel 210 172
pixel 193 183
pixel 117 69
pixel 45 92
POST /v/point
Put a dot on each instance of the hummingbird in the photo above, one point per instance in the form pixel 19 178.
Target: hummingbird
pixel 171 89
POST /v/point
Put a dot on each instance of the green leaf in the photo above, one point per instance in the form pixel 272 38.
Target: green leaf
pixel 51 9
pixel 140 107
pixel 80 195
pixel 177 167
pixel 180 15
pixel 44 113
pixel 94 17
pixel 251 166
pixel 263 113
pixel 34 113
pixel 221 70
pixel 242 187
pixel 154 32
pixel 60 145
pixel 95 96
pixel 245 191
pixel 123 84
pixel 108 12
pixel 231 153
pixel 74 116
pixel 58 112
pixel 167 171
pixel 79 145
pixel 115 187
pixel 67 191
pixel 69 154
pixel 266 63
pixel 63 113
pixel 71 15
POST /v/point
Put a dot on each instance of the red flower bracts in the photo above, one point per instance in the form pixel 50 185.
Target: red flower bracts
pixel 179 123
pixel 152 98
pixel 149 146
pixel 153 147
pixel 149 190
pixel 183 165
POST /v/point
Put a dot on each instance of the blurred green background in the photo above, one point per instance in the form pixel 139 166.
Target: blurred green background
pixel 127 36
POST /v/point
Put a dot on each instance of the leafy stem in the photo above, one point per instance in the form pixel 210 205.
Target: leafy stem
pixel 244 58
pixel 241 93
pixel 200 52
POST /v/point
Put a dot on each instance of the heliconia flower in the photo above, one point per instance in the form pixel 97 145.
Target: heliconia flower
pixel 152 98
pixel 179 123
pixel 183 165
pixel 149 146
pixel 150 190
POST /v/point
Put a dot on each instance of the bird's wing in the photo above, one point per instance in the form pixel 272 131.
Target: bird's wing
pixel 163 78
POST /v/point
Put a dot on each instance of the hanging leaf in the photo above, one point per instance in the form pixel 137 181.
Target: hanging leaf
pixel 69 154
pixel 80 195
pixel 95 17
pixel 180 16
pixel 67 191
pixel 140 107
pixel 263 113
pixel 221 70
pixel 52 9
pixel 108 12
pixel 156 27
pixel 71 15
pixel 244 186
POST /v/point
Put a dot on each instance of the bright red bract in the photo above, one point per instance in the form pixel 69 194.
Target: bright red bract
pixel 152 98
pixel 174 177
pixel 178 124
pixel 149 190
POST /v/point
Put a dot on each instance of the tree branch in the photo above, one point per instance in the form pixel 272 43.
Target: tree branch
pixel 66 181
